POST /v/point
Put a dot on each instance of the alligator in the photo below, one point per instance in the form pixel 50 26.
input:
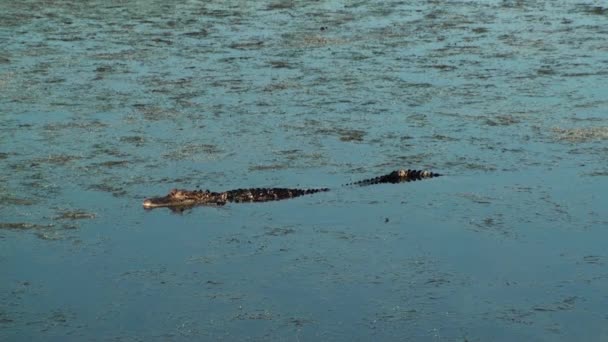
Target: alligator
pixel 180 199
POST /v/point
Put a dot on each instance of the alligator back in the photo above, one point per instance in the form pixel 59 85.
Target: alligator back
pixel 268 194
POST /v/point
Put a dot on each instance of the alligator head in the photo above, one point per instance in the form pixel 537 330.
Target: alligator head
pixel 184 198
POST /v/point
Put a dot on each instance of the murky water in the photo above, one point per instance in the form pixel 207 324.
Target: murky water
pixel 104 103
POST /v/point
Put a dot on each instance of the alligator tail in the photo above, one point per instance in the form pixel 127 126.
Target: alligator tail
pixel 398 176
pixel 314 191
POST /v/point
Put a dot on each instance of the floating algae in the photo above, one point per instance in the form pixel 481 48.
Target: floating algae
pixel 583 134
pixel 24 226
pixel 74 215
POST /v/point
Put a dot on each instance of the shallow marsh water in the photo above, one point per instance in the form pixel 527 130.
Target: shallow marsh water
pixel 104 103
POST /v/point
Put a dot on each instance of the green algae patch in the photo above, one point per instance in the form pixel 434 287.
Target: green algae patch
pixel 193 151
pixel 74 215
pixel 116 191
pixel 24 226
pixel 268 167
pixel 581 134
pixel 6 199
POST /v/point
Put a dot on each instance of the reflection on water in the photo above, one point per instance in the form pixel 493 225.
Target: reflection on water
pixel 106 103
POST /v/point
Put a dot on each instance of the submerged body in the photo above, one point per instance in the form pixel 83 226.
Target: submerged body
pixel 180 198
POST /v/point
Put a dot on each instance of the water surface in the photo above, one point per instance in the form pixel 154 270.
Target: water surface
pixel 104 103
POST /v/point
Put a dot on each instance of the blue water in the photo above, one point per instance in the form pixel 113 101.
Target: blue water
pixel 103 104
